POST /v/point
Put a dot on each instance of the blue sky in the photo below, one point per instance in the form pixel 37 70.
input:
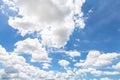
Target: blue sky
pixel 63 40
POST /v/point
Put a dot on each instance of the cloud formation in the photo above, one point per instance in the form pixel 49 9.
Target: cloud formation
pixel 34 48
pixel 53 20
pixel 73 54
pixel 117 66
pixel 16 67
pixel 96 59
pixel 64 63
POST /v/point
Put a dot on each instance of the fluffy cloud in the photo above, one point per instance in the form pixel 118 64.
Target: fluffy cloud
pixel 95 58
pixel 77 11
pixel 63 63
pixel 33 47
pixel 105 79
pixel 111 73
pixel 73 53
pixel 7 59
pixel 3 51
pixel 46 65
pixel 106 59
pixel 53 20
pixel 95 61
pixel 117 66
pixel 15 67
pixel 95 72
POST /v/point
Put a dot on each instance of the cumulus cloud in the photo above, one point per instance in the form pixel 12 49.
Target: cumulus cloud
pixel 95 58
pixel 73 53
pixel 3 51
pixel 117 66
pixel 53 20
pixel 15 67
pixel 33 47
pixel 78 13
pixel 95 61
pixel 7 59
pixel 46 66
pixel 105 78
pixel 64 63
pixel 95 72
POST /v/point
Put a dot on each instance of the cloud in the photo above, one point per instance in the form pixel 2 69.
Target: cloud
pixel 55 37
pixel 7 59
pixel 78 14
pixel 106 59
pixel 117 66
pixel 95 72
pixel 105 78
pixel 53 20
pixel 46 66
pixel 1 72
pixel 96 62
pixel 15 66
pixel 64 63
pixel 111 73
pixel 73 53
pixel 56 16
pixel 96 59
pixel 33 47
pixel 11 69
pixel 3 51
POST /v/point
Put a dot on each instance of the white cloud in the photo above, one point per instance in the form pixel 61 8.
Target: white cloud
pixel 95 58
pixel 56 16
pixel 73 53
pixel 117 66
pixel 15 67
pixel 96 72
pixel 54 23
pixel 111 73
pixel 77 10
pixel 53 20
pixel 91 58
pixel 93 71
pixel 1 72
pixel 105 78
pixel 33 47
pixel 2 51
pixel 64 63
pixel 46 66
pixel 56 37
pixel 105 59
pixel 14 59
pixel 7 59
pixel 9 62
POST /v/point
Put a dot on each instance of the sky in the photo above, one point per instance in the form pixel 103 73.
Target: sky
pixel 59 40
